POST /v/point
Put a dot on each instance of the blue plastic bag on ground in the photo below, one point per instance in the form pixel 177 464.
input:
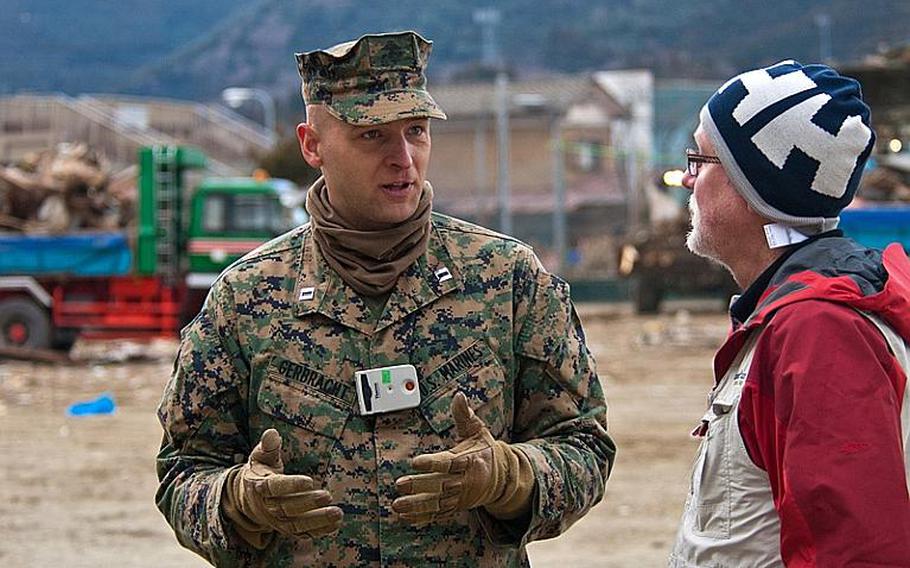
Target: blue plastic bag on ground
pixel 102 405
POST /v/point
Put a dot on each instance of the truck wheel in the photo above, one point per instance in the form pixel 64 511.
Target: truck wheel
pixel 64 339
pixel 24 324
pixel 647 296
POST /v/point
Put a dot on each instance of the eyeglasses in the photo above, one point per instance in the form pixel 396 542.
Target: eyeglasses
pixel 694 161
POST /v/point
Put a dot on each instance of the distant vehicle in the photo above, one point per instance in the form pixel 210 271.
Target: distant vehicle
pixel 55 288
pixel 658 265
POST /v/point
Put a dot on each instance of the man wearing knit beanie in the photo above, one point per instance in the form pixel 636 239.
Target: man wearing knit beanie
pixel 804 453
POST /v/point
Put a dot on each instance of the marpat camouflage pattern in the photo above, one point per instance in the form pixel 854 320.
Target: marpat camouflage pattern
pixel 277 345
pixel 376 79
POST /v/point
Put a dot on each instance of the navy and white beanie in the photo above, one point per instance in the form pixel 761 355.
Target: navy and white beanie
pixel 793 139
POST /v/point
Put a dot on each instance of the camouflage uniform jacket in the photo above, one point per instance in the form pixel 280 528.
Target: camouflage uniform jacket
pixel 277 345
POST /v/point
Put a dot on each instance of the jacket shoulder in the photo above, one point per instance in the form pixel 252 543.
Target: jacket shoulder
pixel 469 238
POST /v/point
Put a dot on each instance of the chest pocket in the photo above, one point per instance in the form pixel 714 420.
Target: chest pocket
pixel 309 409
pixel 477 373
pixel 711 496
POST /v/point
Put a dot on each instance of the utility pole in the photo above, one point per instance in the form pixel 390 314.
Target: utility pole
pixel 488 19
pixel 559 191
pixel 823 21
pixel 626 159
pixel 503 192
pixel 480 167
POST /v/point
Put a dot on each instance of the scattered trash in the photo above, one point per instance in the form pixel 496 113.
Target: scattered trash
pixel 682 331
pixel 101 352
pixel 102 405
pixel 33 354
pixel 63 189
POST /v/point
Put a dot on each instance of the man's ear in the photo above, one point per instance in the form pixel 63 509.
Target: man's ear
pixel 308 138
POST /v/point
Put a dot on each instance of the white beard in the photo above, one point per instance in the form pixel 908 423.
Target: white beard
pixel 695 238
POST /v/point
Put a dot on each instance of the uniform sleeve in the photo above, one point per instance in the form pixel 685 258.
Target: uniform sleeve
pixel 204 435
pixel 820 412
pixel 560 413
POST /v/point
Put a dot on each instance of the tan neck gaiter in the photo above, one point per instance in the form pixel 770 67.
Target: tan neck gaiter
pixel 370 262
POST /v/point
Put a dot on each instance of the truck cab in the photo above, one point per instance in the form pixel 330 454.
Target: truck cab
pixel 231 216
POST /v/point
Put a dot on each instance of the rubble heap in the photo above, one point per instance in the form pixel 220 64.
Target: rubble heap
pixel 66 189
pixel 889 181
pixel 884 184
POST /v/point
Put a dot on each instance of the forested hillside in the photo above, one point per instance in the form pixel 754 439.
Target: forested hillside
pixel 194 49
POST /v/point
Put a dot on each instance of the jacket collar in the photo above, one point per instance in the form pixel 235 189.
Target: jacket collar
pixel 747 303
pixel 320 290
pixel 834 270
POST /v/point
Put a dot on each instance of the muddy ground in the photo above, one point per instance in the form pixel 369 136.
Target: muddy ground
pixel 78 492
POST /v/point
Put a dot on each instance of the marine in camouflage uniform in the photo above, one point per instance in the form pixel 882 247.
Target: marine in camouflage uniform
pixel 278 343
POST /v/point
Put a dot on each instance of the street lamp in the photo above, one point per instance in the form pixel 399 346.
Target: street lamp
pixel 236 96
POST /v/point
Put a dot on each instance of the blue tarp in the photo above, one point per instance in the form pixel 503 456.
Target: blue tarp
pixel 89 254
pixel 877 227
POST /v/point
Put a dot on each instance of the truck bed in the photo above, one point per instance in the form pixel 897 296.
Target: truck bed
pixel 877 225
pixel 77 254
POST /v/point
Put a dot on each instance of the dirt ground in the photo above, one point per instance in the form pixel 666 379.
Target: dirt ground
pixel 78 492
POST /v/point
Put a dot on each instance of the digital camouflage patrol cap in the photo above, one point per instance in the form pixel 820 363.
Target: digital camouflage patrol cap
pixel 376 79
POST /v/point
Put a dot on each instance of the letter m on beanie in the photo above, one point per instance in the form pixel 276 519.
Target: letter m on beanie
pixel 799 136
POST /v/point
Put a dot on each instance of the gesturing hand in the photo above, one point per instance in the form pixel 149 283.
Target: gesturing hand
pixel 261 498
pixel 478 471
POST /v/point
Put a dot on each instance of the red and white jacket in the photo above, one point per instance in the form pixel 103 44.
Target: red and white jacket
pixel 804 460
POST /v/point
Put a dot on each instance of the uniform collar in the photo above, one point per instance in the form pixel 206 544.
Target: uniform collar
pixel 319 289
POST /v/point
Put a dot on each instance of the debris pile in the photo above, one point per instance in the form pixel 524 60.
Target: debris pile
pixel 888 182
pixel 66 189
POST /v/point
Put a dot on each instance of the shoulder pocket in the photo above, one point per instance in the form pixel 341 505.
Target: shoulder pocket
pixel 550 323
pixel 477 373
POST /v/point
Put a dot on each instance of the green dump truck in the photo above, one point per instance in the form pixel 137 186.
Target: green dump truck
pixel 55 288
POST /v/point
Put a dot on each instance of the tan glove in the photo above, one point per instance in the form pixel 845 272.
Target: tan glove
pixel 479 471
pixel 260 499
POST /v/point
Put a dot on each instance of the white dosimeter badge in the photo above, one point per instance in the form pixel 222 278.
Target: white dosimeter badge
pixel 387 389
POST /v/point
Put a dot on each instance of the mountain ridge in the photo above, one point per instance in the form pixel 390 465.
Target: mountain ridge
pixel 193 51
